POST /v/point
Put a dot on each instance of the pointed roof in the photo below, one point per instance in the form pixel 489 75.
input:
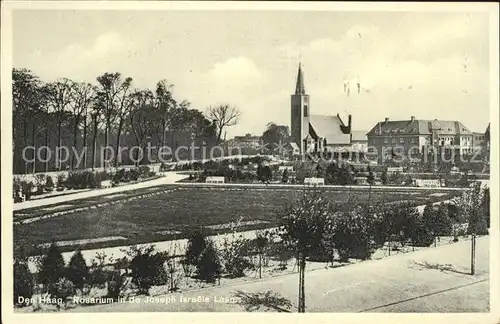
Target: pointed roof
pixel 299 87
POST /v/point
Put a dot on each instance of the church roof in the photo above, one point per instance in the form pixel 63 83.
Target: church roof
pixel 328 127
pixel 299 87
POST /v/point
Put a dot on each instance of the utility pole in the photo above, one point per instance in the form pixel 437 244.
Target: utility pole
pixel 473 254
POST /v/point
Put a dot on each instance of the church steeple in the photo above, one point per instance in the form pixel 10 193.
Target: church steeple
pixel 299 87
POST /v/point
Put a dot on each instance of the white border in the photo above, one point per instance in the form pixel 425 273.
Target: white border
pixel 6 165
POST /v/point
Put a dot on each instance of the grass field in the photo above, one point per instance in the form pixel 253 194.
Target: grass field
pixel 157 218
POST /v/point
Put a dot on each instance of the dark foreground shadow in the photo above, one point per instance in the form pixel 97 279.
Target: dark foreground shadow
pixel 440 267
pixel 263 300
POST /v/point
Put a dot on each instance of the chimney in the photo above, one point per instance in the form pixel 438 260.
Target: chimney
pixel 349 122
pixel 412 118
pixel 386 119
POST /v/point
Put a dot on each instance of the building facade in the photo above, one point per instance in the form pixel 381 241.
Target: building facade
pixel 410 138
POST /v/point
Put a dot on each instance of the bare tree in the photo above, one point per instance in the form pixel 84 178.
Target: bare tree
pixel 141 116
pixel 223 116
pixel 113 94
pixel 60 95
pixel 83 95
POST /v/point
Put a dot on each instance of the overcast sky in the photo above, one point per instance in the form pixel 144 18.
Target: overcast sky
pixel 428 65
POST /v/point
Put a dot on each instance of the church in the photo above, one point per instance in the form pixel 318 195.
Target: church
pixel 317 133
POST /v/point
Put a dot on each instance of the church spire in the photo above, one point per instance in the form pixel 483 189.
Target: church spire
pixel 299 88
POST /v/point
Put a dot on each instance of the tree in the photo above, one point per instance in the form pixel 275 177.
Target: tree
pixel 164 105
pixel 28 102
pixel 141 117
pixel 113 95
pixel 23 282
pixel 351 231
pixel 52 267
pixel 77 271
pixel 147 267
pixel 223 116
pixel 262 242
pixel 83 97
pixel 197 242
pixel 302 229
pixel 485 205
pixel 209 267
pixel 264 173
pixel 60 95
pixel 469 207
pixel 276 135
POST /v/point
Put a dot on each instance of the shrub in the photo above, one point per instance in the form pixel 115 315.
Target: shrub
pixel 118 176
pixel 197 242
pixel 135 174
pixel 209 266
pixel 23 282
pixel 17 190
pixel 144 171
pixel 52 267
pixel 233 256
pixel 61 182
pixel 284 177
pixel 116 285
pixel 49 184
pixel 352 233
pixel 77 270
pixel 40 183
pixel 98 275
pixel 27 187
pixel 147 266
pixel 63 289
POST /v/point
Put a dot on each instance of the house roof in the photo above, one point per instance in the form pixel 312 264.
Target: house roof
pixel 418 127
pixel 328 127
pixel 359 136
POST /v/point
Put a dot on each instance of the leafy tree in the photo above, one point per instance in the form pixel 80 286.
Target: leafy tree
pixel 469 206
pixel 209 266
pixel 302 229
pixel 442 221
pixel 147 267
pixel 23 282
pixel 264 173
pixel 267 300
pixel 485 206
pixel 276 136
pixel 197 243
pixel 351 231
pixel 52 267
pixel 77 270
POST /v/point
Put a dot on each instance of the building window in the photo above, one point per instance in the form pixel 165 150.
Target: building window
pixel 393 141
pixel 306 111
pixel 386 141
pixel 402 140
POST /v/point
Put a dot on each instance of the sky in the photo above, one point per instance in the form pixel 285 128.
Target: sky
pixel 423 64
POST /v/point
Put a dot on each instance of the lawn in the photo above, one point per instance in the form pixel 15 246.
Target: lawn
pixel 173 214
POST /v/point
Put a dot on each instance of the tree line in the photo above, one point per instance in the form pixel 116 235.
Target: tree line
pixel 110 112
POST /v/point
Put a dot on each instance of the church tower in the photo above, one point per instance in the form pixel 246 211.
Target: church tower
pixel 300 113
